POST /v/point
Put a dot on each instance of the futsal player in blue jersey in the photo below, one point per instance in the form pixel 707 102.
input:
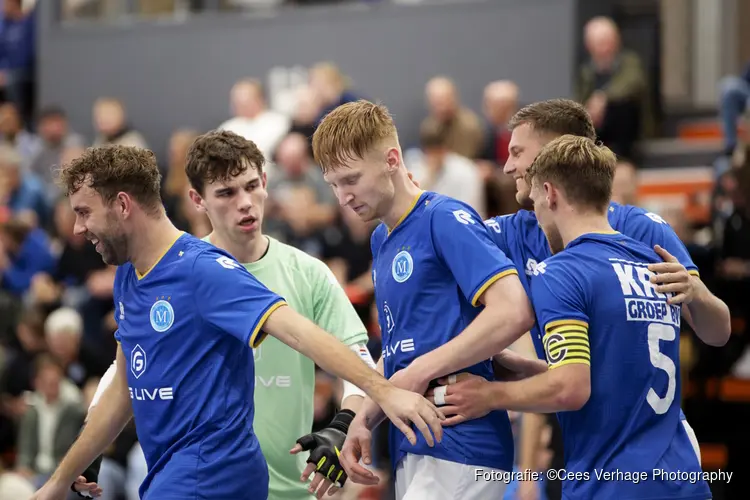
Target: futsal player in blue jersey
pixel 447 301
pixel 187 314
pixel 611 340
pixel 521 239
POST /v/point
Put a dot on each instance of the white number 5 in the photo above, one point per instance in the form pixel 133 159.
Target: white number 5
pixel 656 333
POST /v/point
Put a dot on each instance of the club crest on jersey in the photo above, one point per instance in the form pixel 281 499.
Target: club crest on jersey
pixel 137 361
pixel 402 266
pixel 161 315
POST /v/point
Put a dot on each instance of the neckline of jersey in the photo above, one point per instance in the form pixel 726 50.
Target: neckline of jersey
pixel 268 258
pixel 597 233
pixel 161 257
pixel 409 211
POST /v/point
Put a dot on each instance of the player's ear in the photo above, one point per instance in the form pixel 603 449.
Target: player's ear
pixel 393 159
pixel 263 180
pixel 551 194
pixel 197 200
pixel 123 203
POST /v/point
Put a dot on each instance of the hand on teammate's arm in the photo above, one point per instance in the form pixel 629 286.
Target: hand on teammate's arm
pixel 401 407
pixel 513 366
pixel 506 317
pixel 566 388
pixel 707 314
pixel 105 422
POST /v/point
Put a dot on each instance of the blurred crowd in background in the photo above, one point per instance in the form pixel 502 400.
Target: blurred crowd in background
pixel 56 311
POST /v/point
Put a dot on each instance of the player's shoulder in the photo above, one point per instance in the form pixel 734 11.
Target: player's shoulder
pixel 299 260
pixel 622 217
pixel 378 236
pixel 441 207
pixel 206 257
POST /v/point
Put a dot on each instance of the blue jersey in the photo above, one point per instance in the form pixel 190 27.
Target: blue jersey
pixel 522 240
pixel 429 274
pixel 185 328
pixel 596 306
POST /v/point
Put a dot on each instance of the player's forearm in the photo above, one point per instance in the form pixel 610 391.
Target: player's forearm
pixel 531 430
pixel 520 365
pixel 370 414
pixel 326 351
pixel 105 422
pixel 552 391
pixel 709 316
pixel 494 329
pixel 353 403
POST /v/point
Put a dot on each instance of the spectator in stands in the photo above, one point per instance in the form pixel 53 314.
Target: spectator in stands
pixel 613 86
pixel 21 191
pixel 176 187
pixel 346 251
pixel 331 86
pixel 50 426
pixel 625 185
pixel 306 113
pixel 80 279
pixel 301 203
pixel 111 125
pixel 63 331
pixel 252 118
pixel 18 57
pixel 13 133
pixel 464 133
pixel 500 104
pixel 55 137
pixel 443 171
pixel 734 101
pixel 24 252
pixel 18 370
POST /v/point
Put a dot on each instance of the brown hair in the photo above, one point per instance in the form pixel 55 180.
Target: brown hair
pixel 220 155
pixel 111 169
pixel 583 169
pixel 556 117
pixel 349 132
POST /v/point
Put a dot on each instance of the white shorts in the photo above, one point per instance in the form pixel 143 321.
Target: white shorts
pixel 427 478
pixel 693 439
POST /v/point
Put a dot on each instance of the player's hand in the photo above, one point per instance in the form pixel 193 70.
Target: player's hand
pixel 672 277
pixel 358 446
pixel 325 447
pixel 86 489
pixel 510 366
pixel 411 178
pixel 461 397
pixel 410 379
pixel 403 407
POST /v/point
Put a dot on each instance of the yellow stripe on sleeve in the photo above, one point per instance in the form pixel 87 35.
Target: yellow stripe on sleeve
pixel 566 342
pixel 259 335
pixel 694 272
pixel 486 285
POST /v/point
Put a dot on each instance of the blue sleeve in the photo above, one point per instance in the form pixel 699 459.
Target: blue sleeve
pixel 463 244
pixel 230 299
pixel 34 257
pixel 501 230
pixel 559 300
pixel 650 229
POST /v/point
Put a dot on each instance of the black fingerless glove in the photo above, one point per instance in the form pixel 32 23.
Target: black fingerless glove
pixel 325 445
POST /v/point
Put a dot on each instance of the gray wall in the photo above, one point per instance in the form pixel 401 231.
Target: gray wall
pixel 180 74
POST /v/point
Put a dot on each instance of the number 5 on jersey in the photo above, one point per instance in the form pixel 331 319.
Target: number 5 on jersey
pixel 658 332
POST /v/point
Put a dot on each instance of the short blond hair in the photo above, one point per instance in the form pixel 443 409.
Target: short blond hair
pixel 582 168
pixel 350 132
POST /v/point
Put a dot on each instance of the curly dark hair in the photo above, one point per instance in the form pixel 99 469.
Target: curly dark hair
pixel 112 169
pixel 220 155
